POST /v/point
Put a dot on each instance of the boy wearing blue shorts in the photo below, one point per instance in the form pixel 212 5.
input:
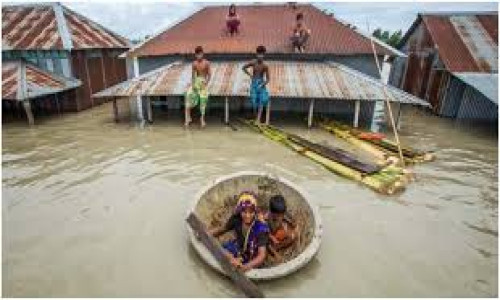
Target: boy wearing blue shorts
pixel 260 78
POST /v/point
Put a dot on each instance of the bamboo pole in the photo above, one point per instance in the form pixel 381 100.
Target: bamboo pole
pixel 387 102
pixel 356 113
pixel 226 111
pixel 311 111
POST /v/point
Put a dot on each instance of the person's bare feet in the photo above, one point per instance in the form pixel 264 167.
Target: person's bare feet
pixel 187 122
pixel 202 122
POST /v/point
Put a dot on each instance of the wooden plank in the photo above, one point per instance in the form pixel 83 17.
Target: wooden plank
pixel 115 110
pixel 248 287
pixel 29 112
pixel 337 155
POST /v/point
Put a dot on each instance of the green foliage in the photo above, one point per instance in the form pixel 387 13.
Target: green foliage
pixel 388 38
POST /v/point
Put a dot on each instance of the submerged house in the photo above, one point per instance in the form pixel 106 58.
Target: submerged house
pixel 452 63
pixel 54 59
pixel 336 75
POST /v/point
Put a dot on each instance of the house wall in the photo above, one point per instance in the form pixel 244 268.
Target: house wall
pixel 362 63
pixel 97 69
pixel 462 101
pixel 420 73
pixel 56 61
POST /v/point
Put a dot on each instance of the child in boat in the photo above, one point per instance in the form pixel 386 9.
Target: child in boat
pixel 283 231
pixel 260 78
pixel 197 93
pixel 248 250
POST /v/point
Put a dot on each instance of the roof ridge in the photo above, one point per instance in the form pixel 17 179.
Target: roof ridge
pixel 62 26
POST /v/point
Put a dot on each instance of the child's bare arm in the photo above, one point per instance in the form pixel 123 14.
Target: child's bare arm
pixel 245 68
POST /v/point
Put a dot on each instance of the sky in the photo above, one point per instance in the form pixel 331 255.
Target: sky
pixel 135 20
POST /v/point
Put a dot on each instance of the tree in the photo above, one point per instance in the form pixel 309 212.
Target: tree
pixel 388 38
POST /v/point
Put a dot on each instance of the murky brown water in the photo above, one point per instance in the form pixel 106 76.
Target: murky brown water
pixel 93 208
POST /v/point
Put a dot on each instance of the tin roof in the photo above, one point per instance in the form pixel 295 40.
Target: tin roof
pixel 466 42
pixel 22 80
pixel 268 25
pixel 288 80
pixel 485 83
pixel 53 27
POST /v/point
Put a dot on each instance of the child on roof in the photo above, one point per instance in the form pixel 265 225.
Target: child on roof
pixel 300 34
pixel 248 250
pixel 260 78
pixel 197 93
pixel 232 20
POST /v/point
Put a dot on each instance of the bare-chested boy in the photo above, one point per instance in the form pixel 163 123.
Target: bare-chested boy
pixel 197 94
pixel 260 78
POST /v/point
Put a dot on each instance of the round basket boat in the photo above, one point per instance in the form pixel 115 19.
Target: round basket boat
pixel 215 203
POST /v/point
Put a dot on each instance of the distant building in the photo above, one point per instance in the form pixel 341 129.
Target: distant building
pixel 62 45
pixel 321 75
pixel 452 63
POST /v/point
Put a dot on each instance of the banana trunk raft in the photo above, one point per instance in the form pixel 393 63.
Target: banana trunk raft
pixel 387 179
pixel 381 148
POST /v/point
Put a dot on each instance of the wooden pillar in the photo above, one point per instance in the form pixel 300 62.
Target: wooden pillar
pixel 149 109
pixel 398 123
pixel 115 109
pixel 58 106
pixel 268 112
pixel 310 117
pixel 226 111
pixel 356 113
pixel 103 69
pixel 88 78
pixel 29 112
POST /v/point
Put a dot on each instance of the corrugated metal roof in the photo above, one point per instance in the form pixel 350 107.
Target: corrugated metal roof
pixel 288 80
pixel 22 80
pixel 465 42
pixel 39 27
pixel 269 25
pixel 485 83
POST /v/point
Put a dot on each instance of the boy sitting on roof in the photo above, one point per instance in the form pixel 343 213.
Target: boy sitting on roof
pixel 258 91
pixel 232 20
pixel 248 250
pixel 300 34
pixel 283 231
pixel 197 93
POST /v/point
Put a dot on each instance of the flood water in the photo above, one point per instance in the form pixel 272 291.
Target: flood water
pixel 96 209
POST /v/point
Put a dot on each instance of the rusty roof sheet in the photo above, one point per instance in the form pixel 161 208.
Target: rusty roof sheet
pixel 466 42
pixel 53 27
pixel 268 25
pixel 288 80
pixel 22 80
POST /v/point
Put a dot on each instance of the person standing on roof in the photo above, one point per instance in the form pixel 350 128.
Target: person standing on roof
pixel 300 34
pixel 232 20
pixel 197 93
pixel 260 78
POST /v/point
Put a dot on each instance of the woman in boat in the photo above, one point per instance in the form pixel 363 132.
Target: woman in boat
pixel 248 250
